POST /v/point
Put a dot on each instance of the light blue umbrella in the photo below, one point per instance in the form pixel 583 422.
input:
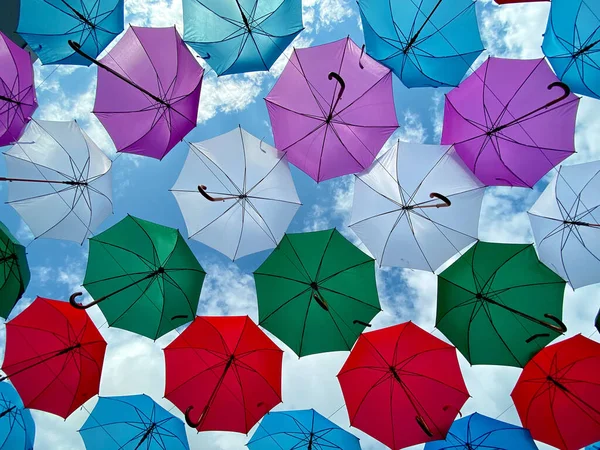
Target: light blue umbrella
pixel 595 446
pixel 17 430
pixel 426 43
pixel 572 44
pixel 238 36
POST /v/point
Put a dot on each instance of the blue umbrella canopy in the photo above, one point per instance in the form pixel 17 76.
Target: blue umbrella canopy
pixel 595 446
pixel 426 43
pixel 17 430
pixel 239 36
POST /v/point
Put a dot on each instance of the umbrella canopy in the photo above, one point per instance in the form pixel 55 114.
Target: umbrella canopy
pixel 17 93
pixel 429 43
pixel 238 36
pixel 224 372
pixel 558 394
pixel 14 271
pixel 566 224
pixel 17 429
pixel 416 206
pixel 59 181
pixel 402 385
pixel 511 121
pixel 572 44
pixel 132 422
pixel 317 292
pixel 595 446
pixel 236 194
pixel 54 356
pixel 332 109
pixel 48 25
pixel 143 276
pixel 9 20
pixel 300 430
pixel 499 304
pixel 505 2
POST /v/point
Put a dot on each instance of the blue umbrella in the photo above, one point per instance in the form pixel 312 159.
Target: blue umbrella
pixel 572 44
pixel 238 36
pixel 482 432
pixel 17 430
pixel 300 430
pixel 595 446
pixel 426 43
pixel 130 423
pixel 48 25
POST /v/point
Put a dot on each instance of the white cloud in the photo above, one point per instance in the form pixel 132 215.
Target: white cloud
pixel 318 14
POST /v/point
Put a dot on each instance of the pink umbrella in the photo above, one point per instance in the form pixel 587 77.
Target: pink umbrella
pixel 511 121
pixel 332 109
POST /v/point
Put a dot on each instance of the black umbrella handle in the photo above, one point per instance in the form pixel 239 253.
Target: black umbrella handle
pixel 340 80
pixel 360 322
pixel 423 425
pixel 202 189
pixel 362 52
pixel 77 305
pixel 598 321
pixel 189 420
pixel 560 327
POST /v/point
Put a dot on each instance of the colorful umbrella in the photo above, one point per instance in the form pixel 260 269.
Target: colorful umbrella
pixel 332 109
pixel 416 206
pixel 558 394
pixel 317 292
pixel 595 446
pixel 17 429
pixel 224 372
pixel 14 271
pixel 236 194
pixel 54 356
pixel 238 36
pixel 572 44
pixel 300 430
pixel 148 91
pixel 9 20
pixel 429 43
pixel 566 224
pixel 143 276
pixel 499 304
pixel 17 93
pixel 402 385
pixel 505 2
pixel 511 121
pixel 130 423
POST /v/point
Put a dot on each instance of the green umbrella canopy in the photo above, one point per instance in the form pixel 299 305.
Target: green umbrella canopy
pixel 14 271
pixel 498 304
pixel 144 277
pixel 317 292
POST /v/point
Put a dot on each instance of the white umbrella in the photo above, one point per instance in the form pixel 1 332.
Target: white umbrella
pixel 236 194
pixel 416 206
pixel 59 181
pixel 566 224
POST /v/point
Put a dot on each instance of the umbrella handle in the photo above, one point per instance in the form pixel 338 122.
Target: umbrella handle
pixel 76 305
pixel 360 322
pixel 561 328
pixel 598 321
pixel 443 198
pixel 340 80
pixel 566 92
pixel 423 425
pixel 362 52
pixel 189 420
pixel 321 302
pixel 202 189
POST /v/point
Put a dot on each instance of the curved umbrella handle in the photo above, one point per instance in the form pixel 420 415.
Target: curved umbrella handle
pixel 560 325
pixel 340 80
pixel 443 198
pixel 566 92
pixel 76 305
pixel 423 425
pixel 189 420
pixel 202 189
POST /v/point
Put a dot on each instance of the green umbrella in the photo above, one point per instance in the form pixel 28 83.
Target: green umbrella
pixel 14 271
pixel 143 276
pixel 317 292
pixel 498 304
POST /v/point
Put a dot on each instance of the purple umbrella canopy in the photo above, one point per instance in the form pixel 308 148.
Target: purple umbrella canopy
pixel 332 109
pixel 511 121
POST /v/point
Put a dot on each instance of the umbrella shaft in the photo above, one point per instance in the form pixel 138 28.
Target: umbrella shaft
pixel 5 412
pixel 519 313
pixel 10 100
pixel 244 18
pixel 7 258
pixel 148 431
pixel 586 48
pixel 79 15
pixel 25 180
pixel 150 275
pixel 37 363
pixel 582 224
pixel 416 35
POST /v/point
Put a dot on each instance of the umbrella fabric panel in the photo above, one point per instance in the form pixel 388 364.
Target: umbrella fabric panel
pixel 17 429
pixel 14 271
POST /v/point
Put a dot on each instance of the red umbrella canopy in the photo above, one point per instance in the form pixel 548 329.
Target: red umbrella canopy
pixel 54 356
pixel 402 385
pixel 224 373
pixel 558 394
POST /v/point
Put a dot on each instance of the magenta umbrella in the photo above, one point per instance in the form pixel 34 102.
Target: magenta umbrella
pixel 148 91
pixel 511 121
pixel 332 109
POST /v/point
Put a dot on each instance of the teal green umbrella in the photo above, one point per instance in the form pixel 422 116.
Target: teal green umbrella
pixel 14 271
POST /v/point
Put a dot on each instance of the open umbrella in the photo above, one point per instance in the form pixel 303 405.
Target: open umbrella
pixel 59 181
pixel 511 121
pixel 402 385
pixel 332 109
pixel 427 43
pixel 300 430
pixel 416 206
pixel 14 271
pixel 17 429
pixel 143 277
pixel 565 221
pixel 236 194
pixel 558 394
pixel 224 373
pixel 595 446
pixel 54 356
pixel 317 292
pixel 505 2
pixel 9 20
pixel 130 423
pixel 238 36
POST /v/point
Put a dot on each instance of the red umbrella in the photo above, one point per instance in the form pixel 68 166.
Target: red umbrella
pixel 558 394
pixel 224 373
pixel 402 385
pixel 54 356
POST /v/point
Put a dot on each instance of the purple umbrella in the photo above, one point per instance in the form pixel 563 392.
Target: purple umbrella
pixel 17 94
pixel 332 109
pixel 511 121
pixel 148 91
